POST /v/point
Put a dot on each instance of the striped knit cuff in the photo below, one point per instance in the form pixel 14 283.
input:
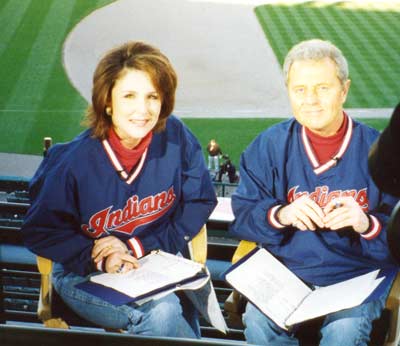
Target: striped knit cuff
pixel 136 247
pixel 272 219
pixel 374 228
pixel 100 265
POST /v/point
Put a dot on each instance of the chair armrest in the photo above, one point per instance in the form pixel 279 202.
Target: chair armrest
pixel 234 307
pixel 235 304
pixel 243 249
pixel 45 265
pixel 393 305
pixel 198 246
pixel 44 305
pixel 44 310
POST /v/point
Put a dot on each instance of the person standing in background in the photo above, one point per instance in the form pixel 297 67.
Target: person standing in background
pixel 214 152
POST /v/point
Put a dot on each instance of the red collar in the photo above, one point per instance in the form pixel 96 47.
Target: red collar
pixel 337 154
pixel 128 157
pixel 325 148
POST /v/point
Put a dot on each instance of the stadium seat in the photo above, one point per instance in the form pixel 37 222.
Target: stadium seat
pixel 385 332
pixel 54 313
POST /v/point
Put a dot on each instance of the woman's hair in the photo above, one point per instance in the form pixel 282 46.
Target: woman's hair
pixel 131 55
pixel 317 49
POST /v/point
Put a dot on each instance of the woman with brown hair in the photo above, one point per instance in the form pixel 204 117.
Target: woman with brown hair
pixel 135 181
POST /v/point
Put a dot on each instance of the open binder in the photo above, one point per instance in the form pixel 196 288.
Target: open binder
pixel 283 297
pixel 159 274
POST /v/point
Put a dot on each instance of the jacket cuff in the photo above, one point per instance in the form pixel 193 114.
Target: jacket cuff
pixel 374 228
pixel 271 216
pixel 136 247
pixel 100 265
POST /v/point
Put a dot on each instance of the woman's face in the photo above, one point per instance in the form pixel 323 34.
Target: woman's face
pixel 135 107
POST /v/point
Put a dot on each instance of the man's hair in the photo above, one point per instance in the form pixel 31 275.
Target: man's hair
pixel 114 64
pixel 317 49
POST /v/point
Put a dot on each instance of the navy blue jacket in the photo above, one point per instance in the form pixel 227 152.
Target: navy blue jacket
pixel 280 166
pixel 81 193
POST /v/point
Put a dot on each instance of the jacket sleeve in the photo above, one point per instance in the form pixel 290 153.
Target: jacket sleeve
pixel 374 241
pixel 196 203
pixel 50 227
pixel 256 195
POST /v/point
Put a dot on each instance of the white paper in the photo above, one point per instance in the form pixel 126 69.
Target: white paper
pixel 223 210
pixel 156 270
pixel 284 298
pixel 192 285
pixel 160 269
pixel 340 296
pixel 268 284
pixel 205 301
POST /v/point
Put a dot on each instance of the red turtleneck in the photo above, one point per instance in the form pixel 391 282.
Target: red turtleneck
pixel 128 157
pixel 325 148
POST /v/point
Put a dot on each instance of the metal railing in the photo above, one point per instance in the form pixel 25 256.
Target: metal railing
pixel 223 189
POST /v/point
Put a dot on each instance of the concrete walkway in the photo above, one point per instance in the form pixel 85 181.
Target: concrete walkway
pixel 19 165
pixel 224 64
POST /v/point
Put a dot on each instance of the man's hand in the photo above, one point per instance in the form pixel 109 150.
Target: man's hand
pixel 303 213
pixel 106 246
pixel 345 212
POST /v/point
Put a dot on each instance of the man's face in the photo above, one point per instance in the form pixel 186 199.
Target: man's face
pixel 316 95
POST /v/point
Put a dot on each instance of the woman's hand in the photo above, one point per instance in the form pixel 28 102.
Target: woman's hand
pixel 120 262
pixel 106 246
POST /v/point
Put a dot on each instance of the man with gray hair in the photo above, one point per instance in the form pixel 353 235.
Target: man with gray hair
pixel 305 195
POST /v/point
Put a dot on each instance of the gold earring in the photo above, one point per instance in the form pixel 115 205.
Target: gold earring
pixel 108 110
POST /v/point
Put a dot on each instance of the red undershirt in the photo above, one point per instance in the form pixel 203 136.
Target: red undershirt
pixel 325 148
pixel 128 157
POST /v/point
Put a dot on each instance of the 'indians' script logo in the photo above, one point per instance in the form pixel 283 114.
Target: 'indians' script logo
pixel 135 213
pixel 322 196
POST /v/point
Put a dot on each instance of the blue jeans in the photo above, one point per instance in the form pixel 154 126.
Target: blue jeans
pixel 350 327
pixel 161 317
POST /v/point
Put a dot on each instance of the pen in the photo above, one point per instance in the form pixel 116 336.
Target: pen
pixel 121 268
pixel 337 205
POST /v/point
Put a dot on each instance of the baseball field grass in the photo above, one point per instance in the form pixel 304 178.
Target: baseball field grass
pixel 37 100
pixel 365 31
